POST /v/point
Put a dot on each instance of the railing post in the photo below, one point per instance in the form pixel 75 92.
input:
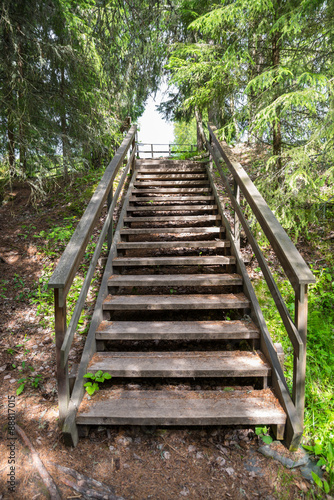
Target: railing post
pixel 299 364
pixel 62 373
pixel 111 226
pixel 236 218
pixel 152 150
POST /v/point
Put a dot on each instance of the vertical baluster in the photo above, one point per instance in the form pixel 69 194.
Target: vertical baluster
pixel 236 219
pixel 62 373
pixel 299 368
pixel 111 226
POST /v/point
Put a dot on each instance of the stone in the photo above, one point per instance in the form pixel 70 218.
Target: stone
pixel 287 462
pixel 166 455
pixel 220 461
pixel 184 492
pixel 124 441
pixel 230 471
pixel 191 448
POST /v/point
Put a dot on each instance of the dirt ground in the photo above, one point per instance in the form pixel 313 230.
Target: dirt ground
pixel 135 462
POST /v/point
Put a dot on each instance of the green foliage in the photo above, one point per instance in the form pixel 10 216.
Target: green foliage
pixel 98 378
pixel 325 452
pixel 319 409
pixel 263 433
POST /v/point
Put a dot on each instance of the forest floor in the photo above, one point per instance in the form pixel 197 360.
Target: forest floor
pixel 137 463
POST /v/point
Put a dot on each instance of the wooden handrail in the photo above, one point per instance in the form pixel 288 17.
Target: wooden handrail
pixel 63 276
pixel 292 262
pixel 294 266
pixel 69 262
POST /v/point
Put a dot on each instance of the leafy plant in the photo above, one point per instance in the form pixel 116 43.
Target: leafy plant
pixel 325 452
pixel 263 433
pixel 97 378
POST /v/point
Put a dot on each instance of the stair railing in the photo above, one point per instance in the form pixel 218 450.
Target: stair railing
pixel 166 149
pixel 68 265
pixel 290 259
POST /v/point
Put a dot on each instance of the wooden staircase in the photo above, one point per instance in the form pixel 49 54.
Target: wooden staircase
pixel 176 322
pixel 176 313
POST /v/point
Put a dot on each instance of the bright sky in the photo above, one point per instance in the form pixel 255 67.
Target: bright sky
pixel 153 128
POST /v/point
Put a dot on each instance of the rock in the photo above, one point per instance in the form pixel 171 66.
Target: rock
pixel 287 462
pixel 230 471
pixel 112 448
pixel 199 455
pixel 184 492
pixel 7 377
pixel 12 380
pixel 166 455
pixel 3 368
pixel 220 461
pixel 191 448
pixel 126 466
pixel 222 449
pixel 124 441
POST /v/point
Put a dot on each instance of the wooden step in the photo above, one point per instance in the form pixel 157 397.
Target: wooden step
pixel 175 302
pixel 175 280
pixel 173 208
pixel 183 183
pixel 206 260
pixel 171 171
pixel 143 245
pixel 185 230
pixel 125 407
pixel 176 218
pixel 170 199
pixel 180 364
pixel 168 176
pixel 177 330
pixel 167 190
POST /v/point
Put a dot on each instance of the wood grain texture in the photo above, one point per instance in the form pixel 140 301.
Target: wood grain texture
pixel 174 261
pixel 176 330
pixel 179 408
pixel 175 280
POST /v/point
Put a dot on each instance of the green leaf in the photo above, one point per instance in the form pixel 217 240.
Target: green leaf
pixel 107 376
pixel 317 480
pixel 99 379
pixel 20 389
pixel 88 384
pixel 90 390
pixel 267 439
pixel 326 486
pixel 89 375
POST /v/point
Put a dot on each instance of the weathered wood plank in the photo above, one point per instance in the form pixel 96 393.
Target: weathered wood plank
pixel 170 199
pixel 173 208
pixel 180 218
pixel 180 364
pixel 140 245
pixel 167 190
pixel 175 302
pixel 180 408
pixel 184 230
pixel 174 183
pixel 144 176
pixel 175 280
pixel 176 330
pixel 206 260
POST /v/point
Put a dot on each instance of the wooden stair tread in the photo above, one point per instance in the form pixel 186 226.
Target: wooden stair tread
pixel 180 364
pixel 185 230
pixel 126 245
pixel 171 190
pixel 174 330
pixel 164 176
pixel 176 218
pixel 125 407
pixel 169 198
pixel 172 183
pixel 175 280
pixel 206 260
pixel 175 302
pixel 173 208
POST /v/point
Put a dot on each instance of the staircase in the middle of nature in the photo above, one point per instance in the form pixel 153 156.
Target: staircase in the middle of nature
pixel 177 336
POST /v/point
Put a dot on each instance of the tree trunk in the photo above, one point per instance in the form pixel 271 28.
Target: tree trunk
pixel 22 147
pixel 64 138
pixel 277 135
pixel 201 140
pixel 9 101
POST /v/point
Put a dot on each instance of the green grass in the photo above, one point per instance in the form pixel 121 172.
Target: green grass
pixel 319 411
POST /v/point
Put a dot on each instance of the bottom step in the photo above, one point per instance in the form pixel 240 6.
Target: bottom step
pixel 126 407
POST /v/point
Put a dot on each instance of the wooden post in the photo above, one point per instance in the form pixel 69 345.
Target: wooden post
pixel 62 374
pixel 152 150
pixel 236 218
pixel 111 226
pixel 132 166
pixel 299 368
